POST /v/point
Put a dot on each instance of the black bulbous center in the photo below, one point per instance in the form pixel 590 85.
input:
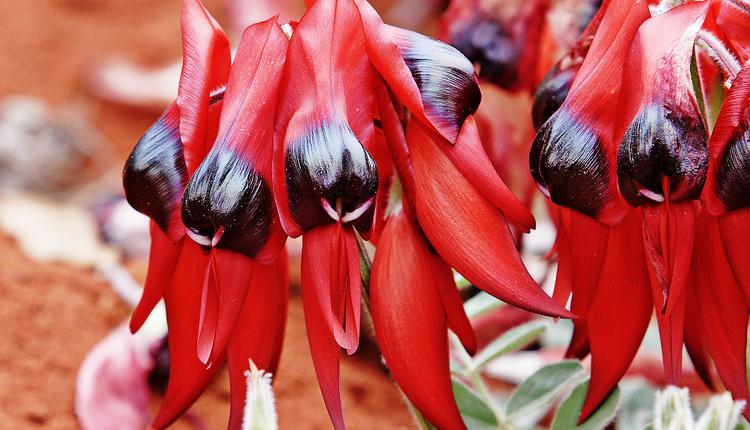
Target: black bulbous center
pixel 330 177
pixel 569 164
pixel 551 93
pixel 155 173
pixel 663 142
pixel 227 204
pixel 733 173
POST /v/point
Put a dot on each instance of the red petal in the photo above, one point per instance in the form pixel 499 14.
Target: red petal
pixel 330 256
pixel 723 309
pixel 188 377
pixel 259 332
pixel 205 68
pixel 410 319
pixel 163 257
pixel 470 158
pixel 735 233
pixel 620 312
pixel 587 240
pixel 327 80
pixel 324 349
pixel 468 231
pixel 387 57
pixel 695 344
pixel 234 273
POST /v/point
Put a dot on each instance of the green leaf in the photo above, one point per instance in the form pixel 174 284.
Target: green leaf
pixel 541 387
pixel 481 304
pixel 476 413
pixel 512 340
pixel 567 416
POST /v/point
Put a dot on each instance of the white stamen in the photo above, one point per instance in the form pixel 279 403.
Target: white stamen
pixel 356 213
pixel 329 210
pixel 200 240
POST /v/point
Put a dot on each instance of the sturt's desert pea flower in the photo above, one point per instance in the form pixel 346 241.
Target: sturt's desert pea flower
pixel 209 240
pixel 301 139
pixel 626 155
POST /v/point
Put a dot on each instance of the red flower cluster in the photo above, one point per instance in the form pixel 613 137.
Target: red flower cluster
pixel 303 135
pixel 630 147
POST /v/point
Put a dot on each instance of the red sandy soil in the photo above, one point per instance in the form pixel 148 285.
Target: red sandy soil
pixel 53 314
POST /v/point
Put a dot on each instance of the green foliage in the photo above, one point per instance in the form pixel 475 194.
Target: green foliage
pixel 568 413
pixel 540 389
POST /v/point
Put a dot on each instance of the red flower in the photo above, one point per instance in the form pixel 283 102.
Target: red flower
pixel 632 115
pixel 209 281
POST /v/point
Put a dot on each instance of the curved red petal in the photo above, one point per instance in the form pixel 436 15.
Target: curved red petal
pixel 163 257
pixel 331 263
pixel 587 240
pixel 620 311
pixel 188 377
pixel 258 334
pixel 205 68
pixel 410 319
pixel 735 233
pixel 470 158
pixel 724 310
pixel 468 231
pixel 324 349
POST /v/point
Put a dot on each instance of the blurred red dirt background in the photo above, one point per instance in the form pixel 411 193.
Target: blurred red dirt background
pixel 51 314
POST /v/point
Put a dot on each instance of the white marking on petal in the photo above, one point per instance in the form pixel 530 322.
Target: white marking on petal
pixel 651 195
pixel 356 213
pixel 200 240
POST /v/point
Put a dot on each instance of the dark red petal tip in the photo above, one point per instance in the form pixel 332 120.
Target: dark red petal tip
pixel 330 177
pixel 569 162
pixel 445 78
pixel 155 173
pixel 663 141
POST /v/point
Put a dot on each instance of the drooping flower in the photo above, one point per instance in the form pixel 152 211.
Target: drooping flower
pixel 629 147
pixel 205 235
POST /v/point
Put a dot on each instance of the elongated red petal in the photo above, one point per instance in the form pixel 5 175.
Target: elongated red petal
pixel 259 331
pixel 587 239
pixel 432 79
pixel 695 343
pixel 724 310
pixel 620 312
pixel 324 348
pixel 325 124
pixel 574 154
pixel 163 257
pixel 330 254
pixel 205 68
pixel 410 319
pixel 735 233
pixel 233 273
pixel 468 231
pixel 228 199
pixel 470 158
pixel 188 377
